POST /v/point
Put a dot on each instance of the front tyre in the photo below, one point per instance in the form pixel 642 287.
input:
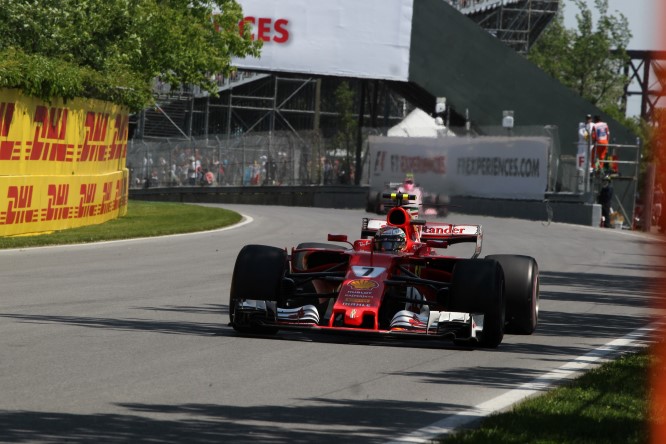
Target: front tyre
pixel 477 286
pixel 521 287
pixel 257 275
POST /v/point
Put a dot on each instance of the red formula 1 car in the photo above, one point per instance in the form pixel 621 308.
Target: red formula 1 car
pixel 392 282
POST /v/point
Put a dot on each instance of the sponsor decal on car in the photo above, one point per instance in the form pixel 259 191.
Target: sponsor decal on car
pixel 363 284
pixel 449 229
pixel 367 272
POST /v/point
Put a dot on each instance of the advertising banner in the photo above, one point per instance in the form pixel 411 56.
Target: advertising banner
pixel 62 165
pixel 79 137
pixel 34 204
pixel 366 39
pixel 492 167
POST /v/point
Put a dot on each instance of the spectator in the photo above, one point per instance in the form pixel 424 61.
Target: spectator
pixel 208 178
pixel 193 168
pixel 600 138
pixel 247 175
pixel 174 181
pixel 584 144
pixel 605 198
pixel 328 171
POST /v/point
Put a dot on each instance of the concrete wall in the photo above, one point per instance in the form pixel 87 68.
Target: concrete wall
pixel 565 209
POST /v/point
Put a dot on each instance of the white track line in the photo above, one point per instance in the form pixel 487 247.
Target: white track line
pixel 246 220
pixel 538 385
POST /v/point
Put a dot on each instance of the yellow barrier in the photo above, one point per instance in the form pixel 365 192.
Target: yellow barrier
pixel 46 203
pixel 62 165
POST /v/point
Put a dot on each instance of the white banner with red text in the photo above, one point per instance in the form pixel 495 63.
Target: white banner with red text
pixel 367 39
pixel 492 167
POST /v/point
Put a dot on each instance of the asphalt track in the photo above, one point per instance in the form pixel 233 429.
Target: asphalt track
pixel 128 341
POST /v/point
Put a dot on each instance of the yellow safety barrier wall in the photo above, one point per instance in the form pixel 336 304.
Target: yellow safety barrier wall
pixel 62 165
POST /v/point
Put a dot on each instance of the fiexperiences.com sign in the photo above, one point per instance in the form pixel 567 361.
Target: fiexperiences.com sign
pixel 493 167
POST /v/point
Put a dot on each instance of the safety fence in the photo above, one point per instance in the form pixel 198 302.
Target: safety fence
pixel 287 158
pixel 276 158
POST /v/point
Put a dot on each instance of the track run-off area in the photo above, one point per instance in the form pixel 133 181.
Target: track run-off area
pixel 128 341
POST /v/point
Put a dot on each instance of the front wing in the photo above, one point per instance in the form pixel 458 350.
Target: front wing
pixel 405 323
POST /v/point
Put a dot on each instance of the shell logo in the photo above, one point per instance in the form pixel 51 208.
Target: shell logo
pixel 363 284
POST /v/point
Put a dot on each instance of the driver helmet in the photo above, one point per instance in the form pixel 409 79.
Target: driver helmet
pixel 409 183
pixel 390 239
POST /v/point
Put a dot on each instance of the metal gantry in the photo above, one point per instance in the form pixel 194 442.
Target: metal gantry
pixel 645 70
pixel 517 23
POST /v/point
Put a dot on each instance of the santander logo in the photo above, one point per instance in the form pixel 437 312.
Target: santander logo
pixel 267 29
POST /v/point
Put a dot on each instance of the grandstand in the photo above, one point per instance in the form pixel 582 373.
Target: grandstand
pixel 186 112
pixel 517 23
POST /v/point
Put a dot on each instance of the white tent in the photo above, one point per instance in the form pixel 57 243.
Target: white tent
pixel 419 124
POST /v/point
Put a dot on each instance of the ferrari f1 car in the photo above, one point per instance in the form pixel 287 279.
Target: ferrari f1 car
pixel 392 282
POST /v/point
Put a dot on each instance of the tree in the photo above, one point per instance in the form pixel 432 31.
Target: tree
pixel 344 98
pixel 114 49
pixel 589 59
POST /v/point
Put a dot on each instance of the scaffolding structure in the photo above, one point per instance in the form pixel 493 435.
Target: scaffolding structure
pixel 643 69
pixel 277 129
pixel 517 23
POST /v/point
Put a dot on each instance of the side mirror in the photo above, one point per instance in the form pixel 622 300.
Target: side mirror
pixel 337 237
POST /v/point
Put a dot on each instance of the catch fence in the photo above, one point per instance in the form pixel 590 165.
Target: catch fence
pixel 277 158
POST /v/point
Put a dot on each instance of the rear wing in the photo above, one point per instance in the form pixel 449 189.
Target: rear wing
pixel 433 231
pixel 453 234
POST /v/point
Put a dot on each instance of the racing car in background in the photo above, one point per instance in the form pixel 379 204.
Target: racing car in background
pixel 392 282
pixel 423 204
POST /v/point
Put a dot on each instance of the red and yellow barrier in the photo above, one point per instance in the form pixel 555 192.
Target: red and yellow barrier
pixel 62 165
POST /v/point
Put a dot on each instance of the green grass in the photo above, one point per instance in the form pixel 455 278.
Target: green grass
pixel 143 219
pixel 609 404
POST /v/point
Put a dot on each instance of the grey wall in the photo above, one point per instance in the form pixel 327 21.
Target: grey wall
pixel 568 211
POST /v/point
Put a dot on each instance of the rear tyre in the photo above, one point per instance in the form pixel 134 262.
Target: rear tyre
pixel 371 206
pixel 477 286
pixel 443 202
pixel 258 274
pixel 521 289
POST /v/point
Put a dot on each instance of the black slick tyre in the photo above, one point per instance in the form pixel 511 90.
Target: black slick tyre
pixel 258 274
pixel 477 286
pixel 371 203
pixel 521 290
